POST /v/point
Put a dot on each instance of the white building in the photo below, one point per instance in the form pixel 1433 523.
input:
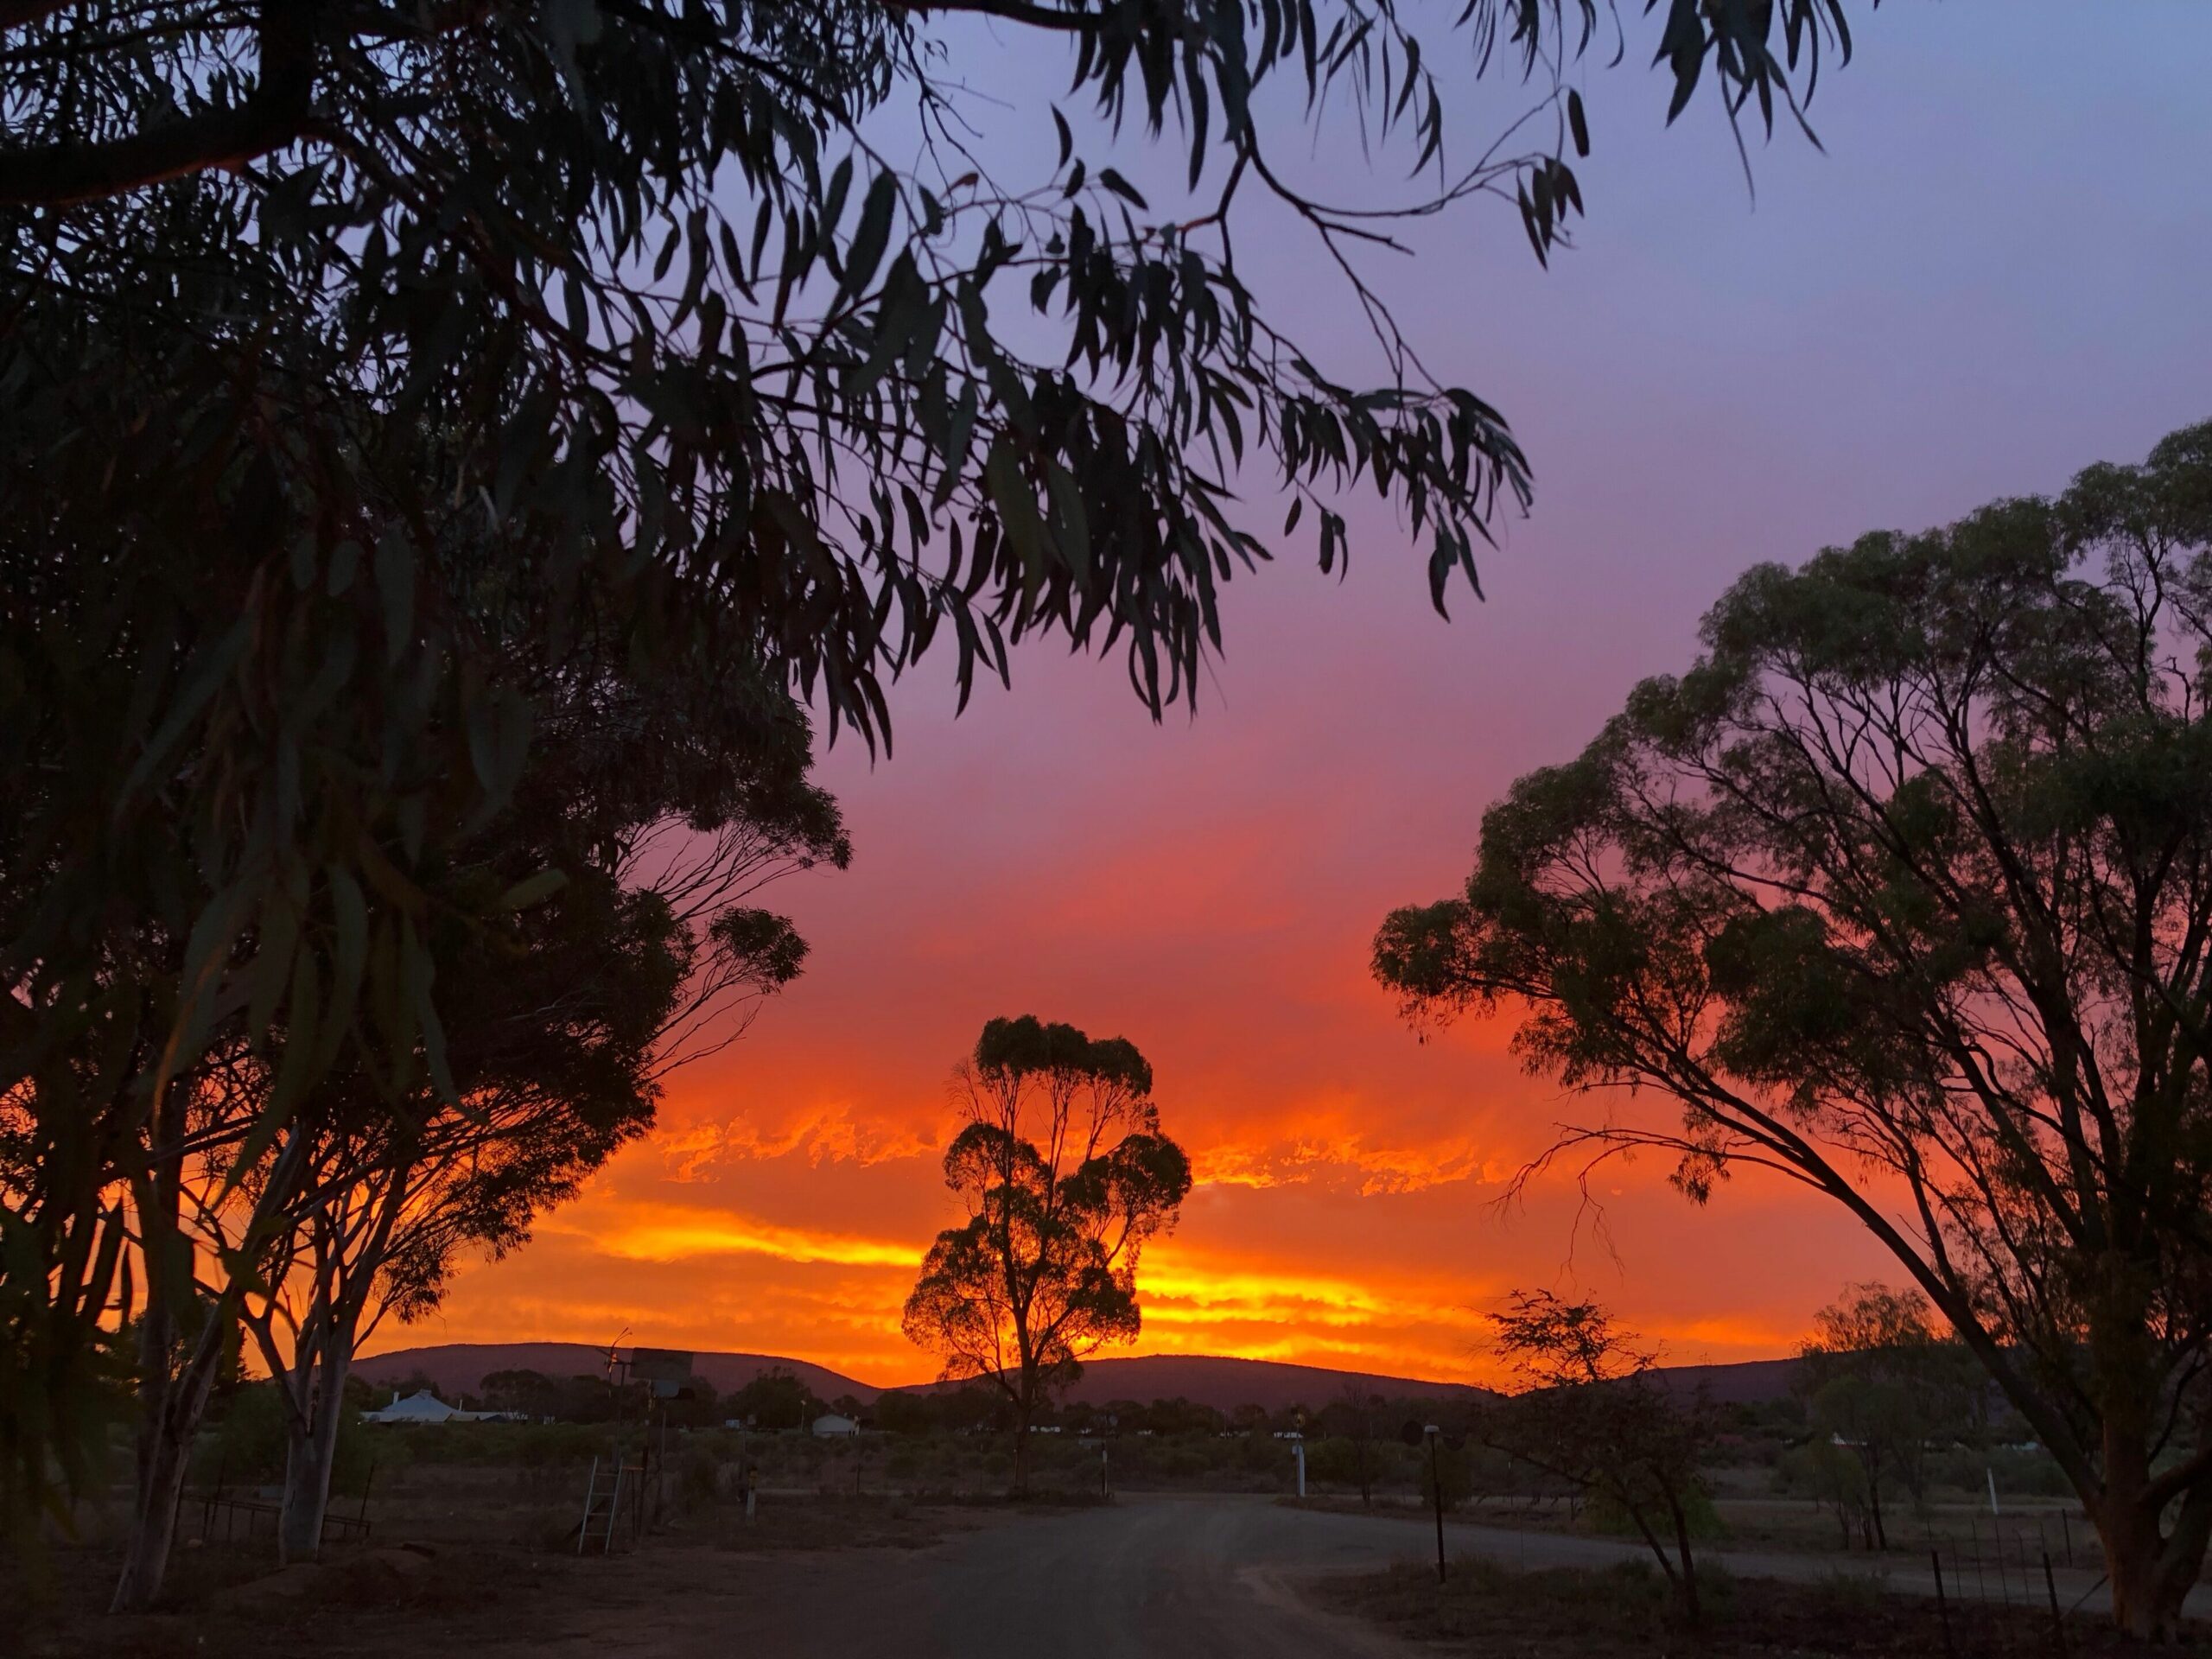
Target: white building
pixel 833 1426
pixel 424 1407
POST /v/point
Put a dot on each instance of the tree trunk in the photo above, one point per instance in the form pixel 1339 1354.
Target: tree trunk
pixel 2152 1569
pixel 1692 1611
pixel 2130 1549
pixel 310 1452
pixel 1651 1539
pixel 1022 1453
pixel 318 1395
pixel 172 1399
pixel 163 1456
pixel 173 1386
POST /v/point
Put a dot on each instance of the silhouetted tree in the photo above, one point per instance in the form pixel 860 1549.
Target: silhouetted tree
pixel 902 1411
pixel 1830 1474
pixel 685 342
pixel 1353 1415
pixel 1905 891
pixel 532 1393
pixel 1590 1411
pixel 1066 1175
pixel 776 1401
pixel 1878 1378
pixel 637 954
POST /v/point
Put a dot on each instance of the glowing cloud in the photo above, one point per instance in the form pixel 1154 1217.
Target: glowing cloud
pixel 830 1136
pixel 657 1232
pixel 1348 1162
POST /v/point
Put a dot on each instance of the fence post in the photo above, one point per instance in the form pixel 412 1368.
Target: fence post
pixel 1942 1605
pixel 2057 1618
pixel 1436 1482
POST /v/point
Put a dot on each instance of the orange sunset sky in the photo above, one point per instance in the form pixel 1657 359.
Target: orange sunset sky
pixel 1703 382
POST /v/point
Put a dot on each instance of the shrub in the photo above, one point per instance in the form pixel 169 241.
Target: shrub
pixel 244 1446
pixel 1607 1514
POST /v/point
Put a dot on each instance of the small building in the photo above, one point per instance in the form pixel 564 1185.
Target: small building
pixel 832 1426
pixel 424 1407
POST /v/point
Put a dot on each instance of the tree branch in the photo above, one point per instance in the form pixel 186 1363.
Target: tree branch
pixel 18 13
pixel 278 113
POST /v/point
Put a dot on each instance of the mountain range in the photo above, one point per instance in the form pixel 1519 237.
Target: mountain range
pixel 1205 1379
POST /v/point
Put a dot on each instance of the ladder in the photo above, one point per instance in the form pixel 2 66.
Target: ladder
pixel 603 1509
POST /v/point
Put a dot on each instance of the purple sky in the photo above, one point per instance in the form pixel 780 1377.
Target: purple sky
pixel 1994 275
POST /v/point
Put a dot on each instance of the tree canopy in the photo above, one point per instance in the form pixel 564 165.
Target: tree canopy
pixel 1066 1176
pixel 1903 892
pixel 775 1399
pixel 1880 1381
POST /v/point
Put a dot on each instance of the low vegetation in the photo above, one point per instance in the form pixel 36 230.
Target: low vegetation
pixel 1629 1612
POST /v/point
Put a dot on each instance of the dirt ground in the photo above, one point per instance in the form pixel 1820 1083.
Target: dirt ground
pixel 450 1587
pixel 1574 1613
pixel 479 1563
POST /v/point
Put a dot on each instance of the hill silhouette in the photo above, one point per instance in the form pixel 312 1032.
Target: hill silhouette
pixel 461 1367
pixel 1225 1383
pixel 1215 1380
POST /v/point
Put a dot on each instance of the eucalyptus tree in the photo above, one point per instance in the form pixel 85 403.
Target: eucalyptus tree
pixel 664 814
pixel 319 321
pixel 1066 1176
pixel 1904 892
pixel 1880 1381
pixel 560 1032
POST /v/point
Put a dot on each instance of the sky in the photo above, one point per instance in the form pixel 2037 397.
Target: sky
pixel 1992 275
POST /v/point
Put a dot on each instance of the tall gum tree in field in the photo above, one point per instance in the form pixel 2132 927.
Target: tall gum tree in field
pixel 1879 1379
pixel 1066 1175
pixel 1904 892
pixel 321 321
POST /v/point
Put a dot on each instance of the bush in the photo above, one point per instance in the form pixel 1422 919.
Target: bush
pixel 1335 1462
pixel 2033 1473
pixel 244 1445
pixel 1606 1514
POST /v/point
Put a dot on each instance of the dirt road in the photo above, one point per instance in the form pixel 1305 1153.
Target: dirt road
pixel 1166 1576
pixel 1152 1575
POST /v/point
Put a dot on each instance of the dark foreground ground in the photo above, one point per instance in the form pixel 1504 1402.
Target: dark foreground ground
pixel 1239 1577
